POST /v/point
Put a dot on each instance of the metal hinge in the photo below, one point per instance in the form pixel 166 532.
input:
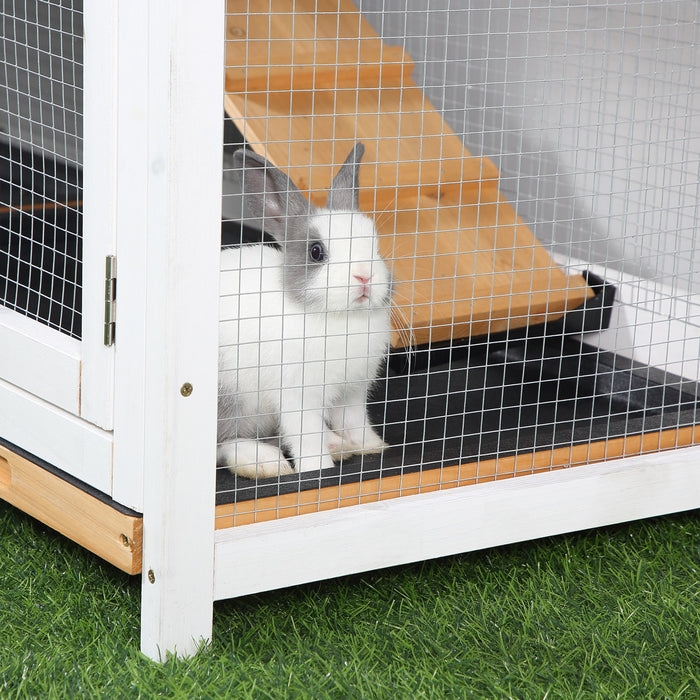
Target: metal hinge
pixel 110 298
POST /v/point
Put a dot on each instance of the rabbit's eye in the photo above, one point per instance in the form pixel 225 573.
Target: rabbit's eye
pixel 317 252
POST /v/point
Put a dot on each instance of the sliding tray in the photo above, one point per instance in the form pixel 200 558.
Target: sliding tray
pixel 483 411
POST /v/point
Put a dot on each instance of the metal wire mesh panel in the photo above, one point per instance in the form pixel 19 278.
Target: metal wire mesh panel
pixel 40 158
pixel 526 174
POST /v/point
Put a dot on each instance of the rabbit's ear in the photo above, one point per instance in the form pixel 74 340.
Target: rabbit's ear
pixel 268 193
pixel 345 188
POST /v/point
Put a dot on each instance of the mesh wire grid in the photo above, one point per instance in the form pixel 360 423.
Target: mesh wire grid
pixel 40 158
pixel 583 119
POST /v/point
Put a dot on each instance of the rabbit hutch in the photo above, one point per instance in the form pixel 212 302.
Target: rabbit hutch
pixel 530 176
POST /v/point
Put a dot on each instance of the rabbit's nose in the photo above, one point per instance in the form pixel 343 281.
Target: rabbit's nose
pixel 362 279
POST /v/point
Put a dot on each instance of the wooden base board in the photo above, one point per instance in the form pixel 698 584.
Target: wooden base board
pixel 117 537
pixel 80 516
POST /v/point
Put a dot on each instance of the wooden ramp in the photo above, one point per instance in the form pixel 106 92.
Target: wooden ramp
pixel 305 80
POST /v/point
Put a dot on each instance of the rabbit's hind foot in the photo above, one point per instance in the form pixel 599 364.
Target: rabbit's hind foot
pixel 252 459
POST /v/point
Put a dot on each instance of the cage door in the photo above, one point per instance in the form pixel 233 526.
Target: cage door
pixel 57 214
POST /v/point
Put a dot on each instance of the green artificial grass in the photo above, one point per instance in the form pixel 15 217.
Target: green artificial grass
pixel 609 613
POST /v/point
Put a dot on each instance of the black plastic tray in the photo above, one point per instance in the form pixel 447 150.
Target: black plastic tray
pixel 492 399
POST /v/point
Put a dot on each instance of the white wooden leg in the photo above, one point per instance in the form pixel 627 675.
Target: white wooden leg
pixel 183 83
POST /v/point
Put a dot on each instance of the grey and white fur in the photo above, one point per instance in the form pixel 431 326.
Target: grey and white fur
pixel 304 327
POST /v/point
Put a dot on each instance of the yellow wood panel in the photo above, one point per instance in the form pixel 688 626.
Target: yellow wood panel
pixel 95 525
pixel 471 270
pixel 299 33
pixel 309 134
pixel 321 77
pixel 279 46
pixel 309 78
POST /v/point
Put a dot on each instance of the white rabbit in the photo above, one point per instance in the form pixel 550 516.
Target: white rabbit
pixel 303 327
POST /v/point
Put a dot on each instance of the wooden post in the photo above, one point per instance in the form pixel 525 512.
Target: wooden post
pixel 185 134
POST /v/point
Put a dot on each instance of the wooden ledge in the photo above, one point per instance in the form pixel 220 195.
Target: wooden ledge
pixel 390 68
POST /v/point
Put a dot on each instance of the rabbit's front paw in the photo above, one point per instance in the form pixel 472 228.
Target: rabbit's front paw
pixel 365 442
pixel 373 447
pixel 358 442
pixel 340 448
pixel 251 459
pixel 310 464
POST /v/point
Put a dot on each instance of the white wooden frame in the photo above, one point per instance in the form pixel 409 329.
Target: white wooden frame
pixel 279 553
pixel 131 249
pixel 99 205
pixel 48 379
pixel 161 76
pixel 76 375
pixel 186 565
pixel 179 333
pixel 153 136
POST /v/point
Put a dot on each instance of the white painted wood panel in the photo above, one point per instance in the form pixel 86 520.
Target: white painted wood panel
pixel 42 361
pixel 132 212
pixel 56 436
pixel 185 139
pixel 286 552
pixel 78 376
pixel 99 204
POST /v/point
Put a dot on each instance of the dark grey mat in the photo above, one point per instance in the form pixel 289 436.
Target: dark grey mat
pixel 496 399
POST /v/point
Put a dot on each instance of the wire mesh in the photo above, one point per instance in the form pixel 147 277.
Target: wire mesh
pixel 532 171
pixel 40 159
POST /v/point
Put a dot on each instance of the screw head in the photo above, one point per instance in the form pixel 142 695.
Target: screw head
pixel 125 540
pixel 151 576
pixel 186 389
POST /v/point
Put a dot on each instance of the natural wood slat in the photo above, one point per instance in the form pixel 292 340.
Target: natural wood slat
pixel 305 80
